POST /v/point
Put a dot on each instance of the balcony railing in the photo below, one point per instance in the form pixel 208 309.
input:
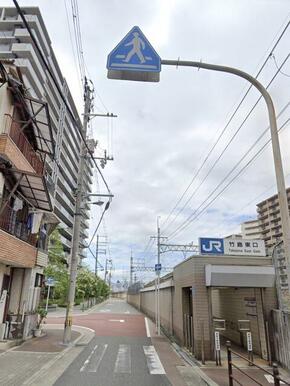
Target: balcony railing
pixel 13 129
pixel 20 229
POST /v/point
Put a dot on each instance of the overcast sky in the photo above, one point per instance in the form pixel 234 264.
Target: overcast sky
pixel 164 130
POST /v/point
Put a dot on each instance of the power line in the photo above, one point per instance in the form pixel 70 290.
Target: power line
pixel 75 122
pixel 276 64
pixel 261 194
pixel 195 215
pixel 78 38
pixel 73 48
pixel 227 145
pixel 222 133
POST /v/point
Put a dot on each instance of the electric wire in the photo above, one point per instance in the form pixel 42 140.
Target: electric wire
pixel 276 64
pixel 222 132
pixel 76 122
pixel 195 215
pixel 227 145
pixel 73 48
pixel 78 39
pixel 254 200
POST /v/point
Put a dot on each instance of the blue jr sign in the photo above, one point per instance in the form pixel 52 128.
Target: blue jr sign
pixel 210 246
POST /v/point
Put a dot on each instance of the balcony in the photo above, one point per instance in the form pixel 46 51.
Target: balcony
pixel 19 229
pixel 12 129
pixel 42 258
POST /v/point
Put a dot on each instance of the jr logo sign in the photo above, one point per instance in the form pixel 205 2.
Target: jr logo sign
pixel 209 246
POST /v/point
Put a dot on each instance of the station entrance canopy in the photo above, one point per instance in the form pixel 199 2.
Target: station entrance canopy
pixel 239 276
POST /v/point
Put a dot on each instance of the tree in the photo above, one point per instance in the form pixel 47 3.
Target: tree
pixel 57 267
pixel 90 286
pixel 87 285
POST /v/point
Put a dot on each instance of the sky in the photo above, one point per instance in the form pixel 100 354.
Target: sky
pixel 164 131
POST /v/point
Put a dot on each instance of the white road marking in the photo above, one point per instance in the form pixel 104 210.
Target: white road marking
pixel 94 365
pixel 97 355
pixel 147 328
pixel 153 362
pixel 127 312
pixel 105 310
pixel 270 379
pixel 87 361
pixel 117 320
pixel 123 361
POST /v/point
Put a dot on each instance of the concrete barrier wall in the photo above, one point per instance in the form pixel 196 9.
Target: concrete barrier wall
pixel 134 300
pixel 119 295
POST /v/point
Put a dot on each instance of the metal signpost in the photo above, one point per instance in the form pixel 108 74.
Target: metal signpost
pixel 135 59
pixel 250 346
pixel 217 344
pixel 218 325
pixel 50 282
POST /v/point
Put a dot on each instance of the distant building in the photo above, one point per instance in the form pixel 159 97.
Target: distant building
pixel 234 236
pixel 251 230
pixel 270 219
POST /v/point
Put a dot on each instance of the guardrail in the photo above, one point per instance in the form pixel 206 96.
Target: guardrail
pixel 275 374
pixel 13 129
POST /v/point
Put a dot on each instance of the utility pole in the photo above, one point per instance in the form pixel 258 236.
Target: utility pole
pixel 97 253
pixel 131 268
pixel 106 267
pixel 77 224
pixel 158 278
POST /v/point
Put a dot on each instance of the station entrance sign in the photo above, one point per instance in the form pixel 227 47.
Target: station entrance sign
pixel 238 247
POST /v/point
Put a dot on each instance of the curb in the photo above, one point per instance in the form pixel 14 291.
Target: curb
pixel 205 379
pixel 87 334
pixel 44 375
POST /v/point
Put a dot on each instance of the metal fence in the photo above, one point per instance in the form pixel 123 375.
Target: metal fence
pixel 188 332
pixel 233 378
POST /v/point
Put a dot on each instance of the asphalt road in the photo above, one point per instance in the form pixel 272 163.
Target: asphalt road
pixel 120 354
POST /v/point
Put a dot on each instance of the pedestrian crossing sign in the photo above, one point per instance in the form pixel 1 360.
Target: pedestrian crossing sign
pixel 134 59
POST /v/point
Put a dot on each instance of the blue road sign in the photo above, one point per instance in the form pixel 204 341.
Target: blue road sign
pixel 134 53
pixel 50 281
pixel 211 246
pixel 158 267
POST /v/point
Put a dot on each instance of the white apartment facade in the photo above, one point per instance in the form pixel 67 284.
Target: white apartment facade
pixel 270 219
pixel 16 45
pixel 251 229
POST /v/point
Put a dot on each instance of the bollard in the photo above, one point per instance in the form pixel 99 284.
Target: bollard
pixel 230 367
pixel 276 374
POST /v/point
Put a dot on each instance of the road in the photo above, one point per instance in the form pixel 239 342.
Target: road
pixel 121 353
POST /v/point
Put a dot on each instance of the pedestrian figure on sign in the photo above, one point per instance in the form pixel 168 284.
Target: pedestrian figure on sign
pixel 138 46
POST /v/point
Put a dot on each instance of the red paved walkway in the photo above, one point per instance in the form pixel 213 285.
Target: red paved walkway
pixel 107 324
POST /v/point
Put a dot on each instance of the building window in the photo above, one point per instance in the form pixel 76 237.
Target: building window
pixel 4 47
pixel 39 279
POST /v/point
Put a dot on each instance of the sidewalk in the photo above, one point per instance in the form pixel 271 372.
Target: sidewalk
pixel 32 362
pixel 59 312
pixel 194 373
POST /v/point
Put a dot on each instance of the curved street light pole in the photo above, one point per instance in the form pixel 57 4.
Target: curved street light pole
pixel 282 195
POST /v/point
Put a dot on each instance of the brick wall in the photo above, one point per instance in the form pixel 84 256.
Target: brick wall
pixel 8 148
pixel 16 252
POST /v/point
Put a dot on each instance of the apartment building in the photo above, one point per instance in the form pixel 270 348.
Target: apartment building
pixel 26 217
pixel 251 230
pixel 16 45
pixel 270 220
